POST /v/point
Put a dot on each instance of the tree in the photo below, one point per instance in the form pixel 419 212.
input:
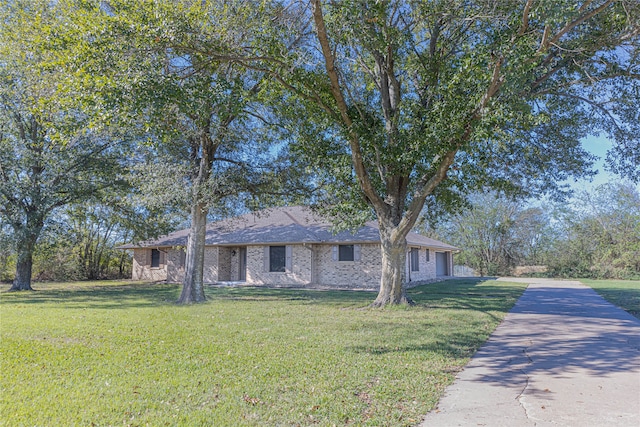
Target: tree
pixel 535 236
pixel 447 97
pixel 7 254
pixel 497 234
pixel 92 232
pixel 49 156
pixel 600 234
pixel 79 241
pixel 211 137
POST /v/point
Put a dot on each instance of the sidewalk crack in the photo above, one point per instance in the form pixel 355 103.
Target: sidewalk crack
pixel 520 396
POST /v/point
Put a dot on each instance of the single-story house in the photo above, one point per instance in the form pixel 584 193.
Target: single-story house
pixel 288 246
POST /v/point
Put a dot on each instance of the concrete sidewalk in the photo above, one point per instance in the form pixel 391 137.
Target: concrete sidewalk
pixel 563 356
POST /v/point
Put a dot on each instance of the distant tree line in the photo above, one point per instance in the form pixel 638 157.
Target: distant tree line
pixel 80 242
pixel 596 235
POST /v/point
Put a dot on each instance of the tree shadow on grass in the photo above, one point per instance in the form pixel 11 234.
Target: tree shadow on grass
pixel 447 343
pixel 104 296
pixel 469 294
pixel 625 298
pixel 157 294
pixel 558 331
pixel 309 296
pixel 465 294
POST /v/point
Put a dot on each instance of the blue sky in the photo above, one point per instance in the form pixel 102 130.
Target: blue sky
pixel 597 145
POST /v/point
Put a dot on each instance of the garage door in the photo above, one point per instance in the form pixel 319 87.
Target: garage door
pixel 442 268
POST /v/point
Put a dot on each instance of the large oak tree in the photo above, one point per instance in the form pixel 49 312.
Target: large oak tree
pixel 50 155
pixel 211 135
pixel 442 98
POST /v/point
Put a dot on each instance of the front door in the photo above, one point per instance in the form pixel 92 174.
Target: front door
pixel 242 264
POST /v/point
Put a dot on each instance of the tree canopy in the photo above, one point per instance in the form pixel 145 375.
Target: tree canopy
pixel 596 234
pixel 205 119
pixel 395 105
pixel 599 234
pixel 50 155
pixel 498 234
pixel 443 98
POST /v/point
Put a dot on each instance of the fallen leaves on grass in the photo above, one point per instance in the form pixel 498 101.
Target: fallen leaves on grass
pixel 251 400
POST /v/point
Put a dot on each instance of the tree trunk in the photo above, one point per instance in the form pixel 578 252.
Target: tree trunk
pixel 394 257
pixel 27 238
pixel 22 281
pixel 203 151
pixel 121 273
pixel 193 287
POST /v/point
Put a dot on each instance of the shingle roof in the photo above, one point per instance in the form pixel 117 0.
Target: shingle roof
pixel 285 225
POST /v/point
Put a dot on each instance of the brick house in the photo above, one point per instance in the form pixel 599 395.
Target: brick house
pixel 290 246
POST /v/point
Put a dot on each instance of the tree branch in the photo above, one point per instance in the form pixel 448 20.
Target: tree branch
pixel 227 160
pixel 427 184
pixel 425 187
pixel 314 97
pixel 496 82
pixel 354 142
pixel 592 103
pixel 545 77
pixel 525 17
pixel 571 25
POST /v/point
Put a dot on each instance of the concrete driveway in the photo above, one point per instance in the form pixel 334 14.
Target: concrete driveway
pixel 563 356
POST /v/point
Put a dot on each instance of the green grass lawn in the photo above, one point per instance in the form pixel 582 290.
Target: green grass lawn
pixel 106 353
pixel 623 293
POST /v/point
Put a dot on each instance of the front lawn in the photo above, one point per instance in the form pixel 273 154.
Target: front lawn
pixel 123 354
pixel 623 293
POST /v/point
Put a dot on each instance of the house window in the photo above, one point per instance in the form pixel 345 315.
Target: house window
pixel 415 259
pixel 427 255
pixel 155 258
pixel 277 258
pixel 345 253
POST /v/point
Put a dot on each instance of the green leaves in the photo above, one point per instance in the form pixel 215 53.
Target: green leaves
pixel 52 153
pixel 484 81
pixel 601 234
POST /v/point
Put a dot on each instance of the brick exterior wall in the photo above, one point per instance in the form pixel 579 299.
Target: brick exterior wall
pixel 311 265
pixel 210 271
pixel 299 275
pixel 175 265
pixel 427 269
pixel 348 274
pixel 142 266
pixel 216 265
